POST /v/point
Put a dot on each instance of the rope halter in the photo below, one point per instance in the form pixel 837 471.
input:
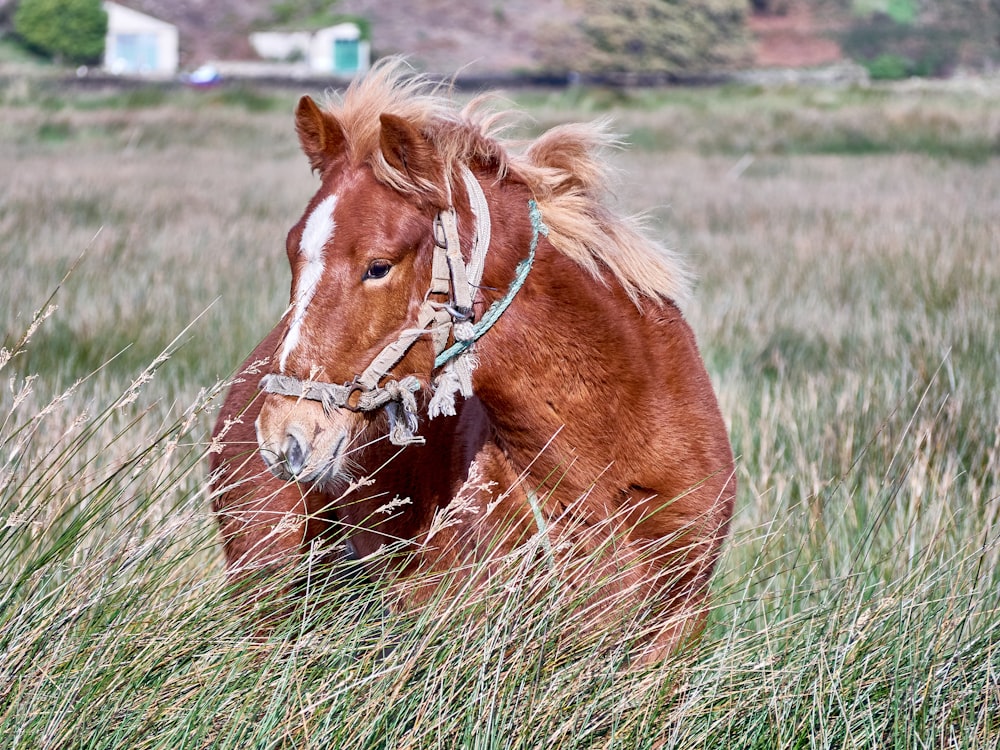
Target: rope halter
pixel 451 276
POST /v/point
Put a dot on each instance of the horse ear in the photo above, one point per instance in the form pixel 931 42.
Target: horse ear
pixel 320 134
pixel 407 150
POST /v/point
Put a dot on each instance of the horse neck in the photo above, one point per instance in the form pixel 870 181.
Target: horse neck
pixel 402 489
pixel 544 373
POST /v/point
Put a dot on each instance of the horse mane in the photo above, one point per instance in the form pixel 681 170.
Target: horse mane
pixel 564 168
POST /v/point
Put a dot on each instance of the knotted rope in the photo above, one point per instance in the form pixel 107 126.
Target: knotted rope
pixel 396 396
pixel 456 377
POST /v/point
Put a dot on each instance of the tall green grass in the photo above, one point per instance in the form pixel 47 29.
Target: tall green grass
pixel 848 309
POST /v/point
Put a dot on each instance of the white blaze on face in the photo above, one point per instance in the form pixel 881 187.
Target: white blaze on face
pixel 317 233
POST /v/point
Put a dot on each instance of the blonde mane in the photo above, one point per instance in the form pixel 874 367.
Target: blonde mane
pixel 563 168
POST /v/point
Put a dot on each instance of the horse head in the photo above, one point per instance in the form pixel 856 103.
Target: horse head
pixel 372 298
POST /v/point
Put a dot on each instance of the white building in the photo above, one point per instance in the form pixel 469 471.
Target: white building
pixel 139 44
pixel 338 50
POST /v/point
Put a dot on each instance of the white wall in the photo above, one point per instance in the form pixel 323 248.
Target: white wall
pixel 316 48
pixel 125 22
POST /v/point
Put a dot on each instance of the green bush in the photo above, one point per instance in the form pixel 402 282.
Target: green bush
pixel 891 49
pixel 67 30
pixel 888 67
pixel 900 11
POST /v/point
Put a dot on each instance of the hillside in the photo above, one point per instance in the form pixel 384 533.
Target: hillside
pixel 484 35
pixel 438 35
pixel 503 36
pixel 481 36
pixel 795 38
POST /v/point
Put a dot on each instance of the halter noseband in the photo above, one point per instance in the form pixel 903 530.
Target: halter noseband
pixel 449 275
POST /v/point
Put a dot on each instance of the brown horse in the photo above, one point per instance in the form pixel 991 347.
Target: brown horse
pixel 436 261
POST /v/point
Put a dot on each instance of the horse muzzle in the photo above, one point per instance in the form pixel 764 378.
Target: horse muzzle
pixel 299 441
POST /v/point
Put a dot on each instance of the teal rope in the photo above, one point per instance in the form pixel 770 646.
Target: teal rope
pixel 497 308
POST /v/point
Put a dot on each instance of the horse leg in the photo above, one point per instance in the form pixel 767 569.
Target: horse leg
pixel 265 530
pixel 685 625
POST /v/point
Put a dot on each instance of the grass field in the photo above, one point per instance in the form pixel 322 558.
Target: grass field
pixel 847 245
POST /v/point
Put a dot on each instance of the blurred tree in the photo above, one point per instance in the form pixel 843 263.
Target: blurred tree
pixel 930 37
pixel 672 37
pixel 66 30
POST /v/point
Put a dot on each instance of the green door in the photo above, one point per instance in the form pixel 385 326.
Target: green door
pixel 346 55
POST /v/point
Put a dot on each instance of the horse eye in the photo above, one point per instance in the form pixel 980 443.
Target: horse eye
pixel 377 269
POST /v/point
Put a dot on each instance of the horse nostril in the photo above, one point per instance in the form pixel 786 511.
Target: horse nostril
pixel 294 454
pixel 270 457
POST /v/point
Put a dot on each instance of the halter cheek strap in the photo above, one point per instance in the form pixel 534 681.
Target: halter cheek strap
pixel 449 275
